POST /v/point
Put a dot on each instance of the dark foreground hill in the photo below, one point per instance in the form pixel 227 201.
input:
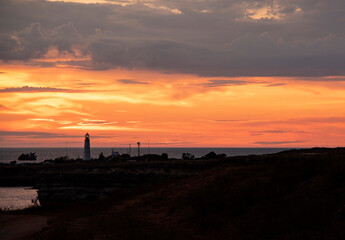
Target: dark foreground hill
pixel 290 195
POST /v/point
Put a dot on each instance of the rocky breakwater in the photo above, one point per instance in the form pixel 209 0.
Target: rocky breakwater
pixel 84 180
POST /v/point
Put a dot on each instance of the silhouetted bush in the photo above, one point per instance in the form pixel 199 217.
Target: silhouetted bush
pixel 210 155
pixel 165 156
pixel 187 156
pixel 61 159
pixel 101 156
pixel 213 155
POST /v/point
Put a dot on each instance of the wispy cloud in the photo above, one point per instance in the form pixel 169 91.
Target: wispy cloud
pixel 36 134
pixel 275 84
pixel 28 89
pixel 45 135
pixel 223 83
pixel 177 143
pixel 131 81
pixel 261 133
pixel 100 127
pixel 91 122
pixel 227 120
pixel 277 142
pixel 277 131
pixel 298 121
pixel 95 124
pixel 41 119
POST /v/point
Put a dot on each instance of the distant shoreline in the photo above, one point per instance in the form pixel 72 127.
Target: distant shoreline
pixel 12 154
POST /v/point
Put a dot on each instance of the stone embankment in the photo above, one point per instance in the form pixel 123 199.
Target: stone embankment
pixel 70 181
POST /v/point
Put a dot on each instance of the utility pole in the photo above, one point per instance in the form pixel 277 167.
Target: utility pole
pixel 138 149
pixel 148 146
pixel 67 149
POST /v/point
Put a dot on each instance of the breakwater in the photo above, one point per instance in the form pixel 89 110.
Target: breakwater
pixel 76 180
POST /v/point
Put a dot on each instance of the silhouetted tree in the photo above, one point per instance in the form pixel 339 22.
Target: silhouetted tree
pixel 101 156
pixel 187 156
pixel 165 156
pixel 213 155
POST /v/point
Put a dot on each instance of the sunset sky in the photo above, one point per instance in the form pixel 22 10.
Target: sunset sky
pixel 176 73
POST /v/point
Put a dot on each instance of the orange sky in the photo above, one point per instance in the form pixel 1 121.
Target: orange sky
pixel 175 73
pixel 55 106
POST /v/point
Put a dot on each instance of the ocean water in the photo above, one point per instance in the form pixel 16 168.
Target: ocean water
pixel 14 198
pixel 11 154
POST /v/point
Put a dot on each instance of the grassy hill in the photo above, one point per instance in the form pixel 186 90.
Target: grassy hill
pixel 297 194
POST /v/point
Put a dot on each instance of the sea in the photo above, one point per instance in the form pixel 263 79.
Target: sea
pixel 14 198
pixel 11 154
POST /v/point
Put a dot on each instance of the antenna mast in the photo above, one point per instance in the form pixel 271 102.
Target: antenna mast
pixel 148 146
pixel 138 149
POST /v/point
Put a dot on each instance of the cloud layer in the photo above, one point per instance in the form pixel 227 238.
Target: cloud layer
pixel 210 38
pixel 36 89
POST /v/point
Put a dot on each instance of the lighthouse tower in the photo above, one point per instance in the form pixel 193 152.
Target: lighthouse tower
pixel 87 152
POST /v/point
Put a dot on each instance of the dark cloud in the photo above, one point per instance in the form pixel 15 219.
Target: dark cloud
pixel 278 142
pixel 288 10
pixel 36 89
pixel 2 107
pixel 275 84
pixel 222 83
pixel 65 36
pixel 209 38
pixel 130 81
pixel 275 132
pixel 323 79
pixel 25 44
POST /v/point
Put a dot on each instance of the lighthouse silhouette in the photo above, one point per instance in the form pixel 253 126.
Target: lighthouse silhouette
pixel 87 151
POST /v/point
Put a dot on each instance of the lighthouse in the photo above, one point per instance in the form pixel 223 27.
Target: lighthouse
pixel 87 155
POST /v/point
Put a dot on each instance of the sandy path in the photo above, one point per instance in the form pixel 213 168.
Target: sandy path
pixel 20 226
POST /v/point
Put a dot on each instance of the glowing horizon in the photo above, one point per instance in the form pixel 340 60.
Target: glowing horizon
pixel 119 107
